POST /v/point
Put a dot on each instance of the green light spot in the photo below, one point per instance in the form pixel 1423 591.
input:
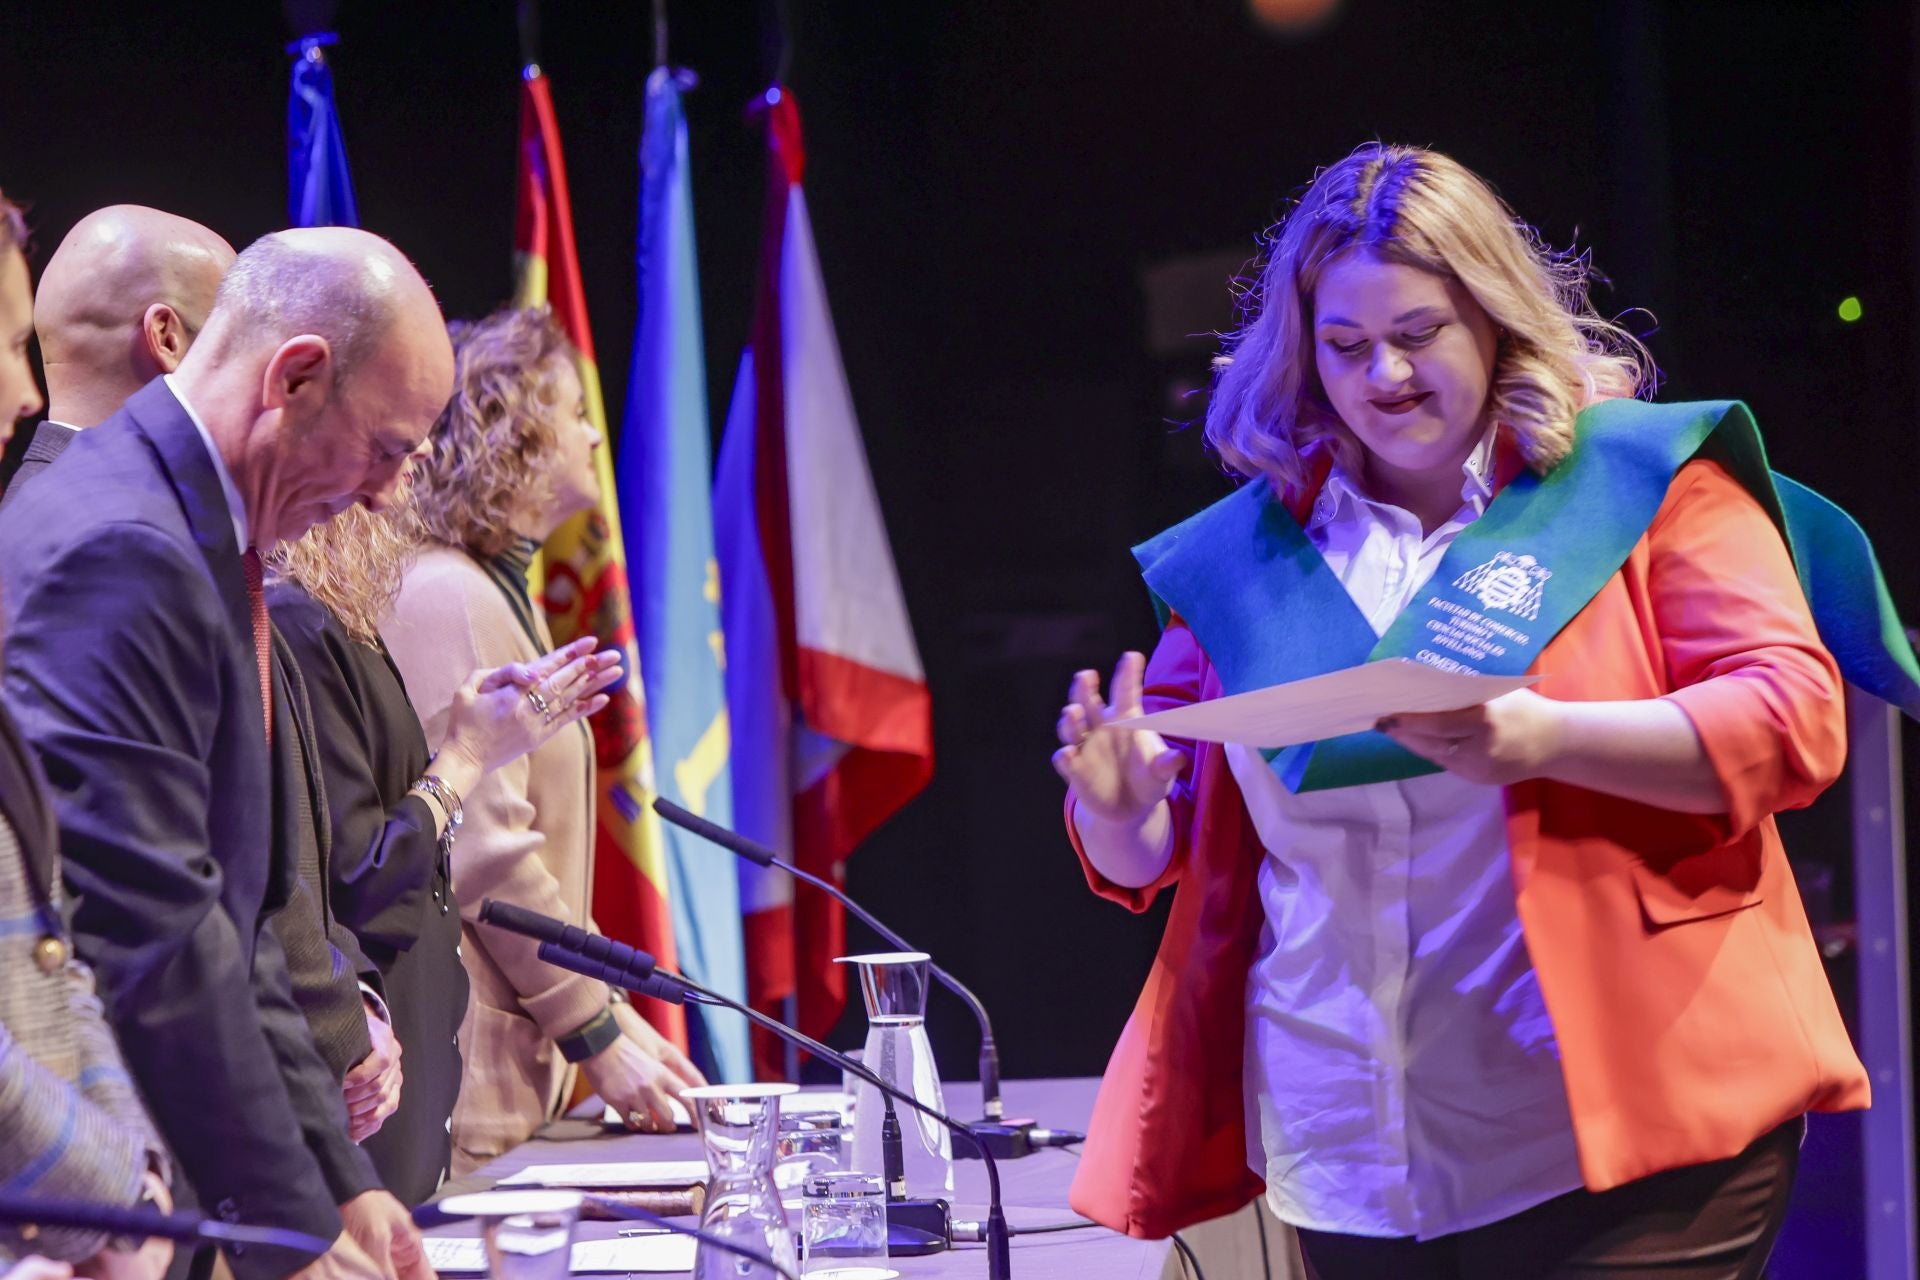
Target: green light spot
pixel 1850 309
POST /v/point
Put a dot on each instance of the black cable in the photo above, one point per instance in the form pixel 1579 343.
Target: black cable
pixel 634 1213
pixel 1080 1225
pixel 1260 1225
pixel 1187 1258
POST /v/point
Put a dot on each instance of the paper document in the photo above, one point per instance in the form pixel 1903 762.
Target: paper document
pixel 682 1119
pixel 457 1256
pixel 805 1100
pixel 1327 706
pixel 624 1174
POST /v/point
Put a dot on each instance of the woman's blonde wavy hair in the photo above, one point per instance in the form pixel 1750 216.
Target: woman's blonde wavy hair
pixel 1424 209
pixel 493 443
pixel 353 564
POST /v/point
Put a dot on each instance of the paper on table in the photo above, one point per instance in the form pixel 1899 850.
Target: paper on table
pixel 453 1255
pixel 1327 706
pixel 805 1100
pixel 682 1119
pixel 628 1173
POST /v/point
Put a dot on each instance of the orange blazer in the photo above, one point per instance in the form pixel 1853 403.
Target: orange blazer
pixel 1673 952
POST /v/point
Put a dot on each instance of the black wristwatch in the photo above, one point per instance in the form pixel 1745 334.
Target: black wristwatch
pixel 600 1031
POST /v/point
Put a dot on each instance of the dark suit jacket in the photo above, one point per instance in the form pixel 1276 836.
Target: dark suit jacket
pixel 50 440
pixel 323 957
pixel 129 662
pixel 389 881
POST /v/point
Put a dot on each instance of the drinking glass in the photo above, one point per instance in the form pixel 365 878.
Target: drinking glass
pixel 843 1223
pixel 528 1234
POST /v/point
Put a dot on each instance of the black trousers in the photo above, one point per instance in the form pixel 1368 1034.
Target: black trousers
pixel 1705 1222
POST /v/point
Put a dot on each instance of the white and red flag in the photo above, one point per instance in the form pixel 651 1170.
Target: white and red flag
pixel 831 720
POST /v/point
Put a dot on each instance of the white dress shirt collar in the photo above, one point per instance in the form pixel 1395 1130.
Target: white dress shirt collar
pixel 1476 486
pixel 235 507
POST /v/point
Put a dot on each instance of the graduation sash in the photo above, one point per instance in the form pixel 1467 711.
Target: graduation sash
pixel 1267 609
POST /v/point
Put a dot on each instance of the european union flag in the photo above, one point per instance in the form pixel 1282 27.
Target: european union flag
pixel 319 191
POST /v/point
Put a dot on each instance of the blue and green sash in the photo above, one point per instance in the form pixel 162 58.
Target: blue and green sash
pixel 1267 609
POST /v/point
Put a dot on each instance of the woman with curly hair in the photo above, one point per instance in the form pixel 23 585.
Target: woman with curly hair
pixel 1519 990
pixel 394 810
pixel 510 459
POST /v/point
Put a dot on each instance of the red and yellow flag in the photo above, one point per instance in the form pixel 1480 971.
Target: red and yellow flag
pixel 583 572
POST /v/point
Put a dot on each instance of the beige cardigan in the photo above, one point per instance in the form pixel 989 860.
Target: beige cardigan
pixel 527 839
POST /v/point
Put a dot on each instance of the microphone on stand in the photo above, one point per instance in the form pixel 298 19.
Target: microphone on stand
pixel 140 1224
pixel 624 960
pixel 1007 1141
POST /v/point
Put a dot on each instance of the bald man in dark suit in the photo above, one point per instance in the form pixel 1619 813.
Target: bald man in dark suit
pixel 139 660
pixel 119 303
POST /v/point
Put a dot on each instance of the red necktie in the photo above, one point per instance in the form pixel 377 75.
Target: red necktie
pixel 262 638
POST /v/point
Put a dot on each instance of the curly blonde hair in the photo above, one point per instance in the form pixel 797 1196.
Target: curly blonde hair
pixel 1424 209
pixel 353 564
pixel 493 441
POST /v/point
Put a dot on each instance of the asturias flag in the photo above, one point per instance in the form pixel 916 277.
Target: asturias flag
pixel 585 572
pixel 319 191
pixel 665 473
pixel 832 724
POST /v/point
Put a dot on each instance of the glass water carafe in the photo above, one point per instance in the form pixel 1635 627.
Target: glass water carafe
pixel 738 1123
pixel 894 986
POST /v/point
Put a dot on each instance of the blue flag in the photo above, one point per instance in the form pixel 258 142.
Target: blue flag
pixel 664 475
pixel 319 191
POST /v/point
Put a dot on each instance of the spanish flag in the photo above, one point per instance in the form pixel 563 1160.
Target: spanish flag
pixel 584 572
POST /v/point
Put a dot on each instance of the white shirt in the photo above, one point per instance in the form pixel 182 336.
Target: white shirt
pixel 1402 1073
pixel 235 508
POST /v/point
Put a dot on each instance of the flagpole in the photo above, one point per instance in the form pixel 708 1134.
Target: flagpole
pixel 659 33
pixel 528 18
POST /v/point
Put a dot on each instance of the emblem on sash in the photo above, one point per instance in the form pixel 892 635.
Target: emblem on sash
pixel 1509 582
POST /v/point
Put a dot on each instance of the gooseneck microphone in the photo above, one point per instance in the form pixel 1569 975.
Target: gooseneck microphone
pixel 755 852
pixel 139 1224
pixel 559 933
pixel 677 990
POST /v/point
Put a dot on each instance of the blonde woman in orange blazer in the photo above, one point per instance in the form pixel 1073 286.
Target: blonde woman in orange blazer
pixel 1533 995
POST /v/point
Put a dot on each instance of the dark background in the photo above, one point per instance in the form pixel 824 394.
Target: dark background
pixel 1023 211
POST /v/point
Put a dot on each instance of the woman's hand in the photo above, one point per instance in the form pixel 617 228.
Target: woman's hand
pixel 498 716
pixel 637 1074
pixel 1641 749
pixel 1118 775
pixel 1512 738
pixel 372 1088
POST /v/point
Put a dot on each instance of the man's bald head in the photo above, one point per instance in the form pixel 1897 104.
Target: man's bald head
pixel 324 363
pixel 120 301
pixel 346 286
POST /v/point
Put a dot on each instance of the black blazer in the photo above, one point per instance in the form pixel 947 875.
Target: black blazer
pixel 49 441
pixel 388 881
pixel 130 665
pixel 323 958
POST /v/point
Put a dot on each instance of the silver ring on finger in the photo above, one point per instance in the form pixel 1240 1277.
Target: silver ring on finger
pixel 540 703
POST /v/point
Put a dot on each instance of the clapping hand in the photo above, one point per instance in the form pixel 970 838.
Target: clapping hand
pixel 498 716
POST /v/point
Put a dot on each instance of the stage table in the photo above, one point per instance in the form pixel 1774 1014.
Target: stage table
pixel 1034 1190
